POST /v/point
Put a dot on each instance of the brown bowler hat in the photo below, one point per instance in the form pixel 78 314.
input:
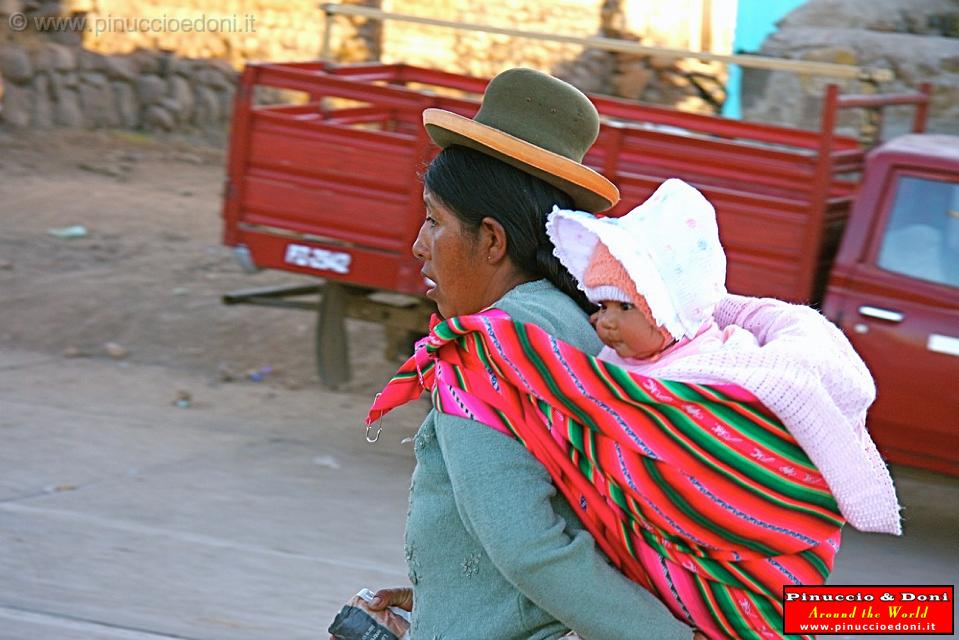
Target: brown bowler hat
pixel 536 123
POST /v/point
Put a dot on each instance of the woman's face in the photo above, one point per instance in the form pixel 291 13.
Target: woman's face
pixel 449 252
pixel 626 329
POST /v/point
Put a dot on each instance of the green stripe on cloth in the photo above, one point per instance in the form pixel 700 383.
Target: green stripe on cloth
pixel 732 613
pixel 616 493
pixel 509 425
pixel 628 387
pixel 772 484
pixel 690 512
pixel 810 556
pixel 547 376
pixel 574 432
pixel 779 443
pixel 714 607
pixel 627 539
pixel 757 414
pixel 747 581
pixel 690 434
pixel 461 378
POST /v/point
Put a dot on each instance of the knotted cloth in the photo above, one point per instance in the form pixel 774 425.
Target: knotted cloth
pixel 703 476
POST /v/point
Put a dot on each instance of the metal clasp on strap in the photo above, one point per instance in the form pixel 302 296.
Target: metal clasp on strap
pixel 377 424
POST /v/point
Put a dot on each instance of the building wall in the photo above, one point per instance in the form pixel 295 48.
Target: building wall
pixel 485 54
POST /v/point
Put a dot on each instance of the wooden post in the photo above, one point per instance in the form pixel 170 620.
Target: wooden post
pixel 332 350
pixel 325 54
pixel 706 26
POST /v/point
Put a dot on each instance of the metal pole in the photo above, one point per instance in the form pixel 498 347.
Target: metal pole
pixel 922 109
pixel 822 177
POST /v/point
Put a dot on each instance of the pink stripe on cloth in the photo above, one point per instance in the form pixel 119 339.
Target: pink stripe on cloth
pixel 672 581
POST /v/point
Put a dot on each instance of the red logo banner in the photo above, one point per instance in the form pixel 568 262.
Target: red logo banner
pixel 860 609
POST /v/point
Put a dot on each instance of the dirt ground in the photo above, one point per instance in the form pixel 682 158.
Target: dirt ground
pixel 150 273
pixel 125 517
pixel 82 430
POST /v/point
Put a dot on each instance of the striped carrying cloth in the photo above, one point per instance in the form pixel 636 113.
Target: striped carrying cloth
pixel 696 492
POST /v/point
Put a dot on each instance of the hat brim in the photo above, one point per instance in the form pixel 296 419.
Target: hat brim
pixel 589 190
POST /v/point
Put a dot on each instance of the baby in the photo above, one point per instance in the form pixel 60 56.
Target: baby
pixel 658 275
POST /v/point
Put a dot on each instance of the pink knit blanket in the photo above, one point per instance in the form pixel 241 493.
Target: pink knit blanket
pixel 806 372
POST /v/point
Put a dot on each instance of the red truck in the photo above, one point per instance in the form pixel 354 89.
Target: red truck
pixel 328 186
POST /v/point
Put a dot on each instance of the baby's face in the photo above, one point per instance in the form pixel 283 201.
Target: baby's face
pixel 627 330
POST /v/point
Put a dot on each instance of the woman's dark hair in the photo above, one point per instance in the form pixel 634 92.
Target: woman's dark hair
pixel 474 186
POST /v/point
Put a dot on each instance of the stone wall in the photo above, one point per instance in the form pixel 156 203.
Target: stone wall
pixel 486 54
pixel 680 24
pixel 47 84
pixel 169 64
pixel 293 30
pixel 233 30
pixel 918 40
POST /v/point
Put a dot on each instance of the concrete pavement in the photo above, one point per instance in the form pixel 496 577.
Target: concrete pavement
pixel 251 515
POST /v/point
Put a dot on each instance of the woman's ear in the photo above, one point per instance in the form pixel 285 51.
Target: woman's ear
pixel 493 239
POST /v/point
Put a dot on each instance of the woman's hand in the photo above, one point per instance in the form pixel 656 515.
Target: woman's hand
pixel 402 598
pixel 697 635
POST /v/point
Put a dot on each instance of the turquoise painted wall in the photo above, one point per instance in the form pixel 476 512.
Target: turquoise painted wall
pixel 755 21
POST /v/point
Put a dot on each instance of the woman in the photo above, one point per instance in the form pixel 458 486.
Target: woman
pixel 493 551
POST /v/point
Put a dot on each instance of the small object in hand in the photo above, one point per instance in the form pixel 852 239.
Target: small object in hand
pixel 356 621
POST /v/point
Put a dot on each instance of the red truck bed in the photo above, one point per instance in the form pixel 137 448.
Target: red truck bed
pixel 331 188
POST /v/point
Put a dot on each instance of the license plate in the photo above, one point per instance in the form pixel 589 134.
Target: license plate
pixel 319 259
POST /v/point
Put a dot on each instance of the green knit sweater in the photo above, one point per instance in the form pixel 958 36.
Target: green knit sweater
pixel 494 552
